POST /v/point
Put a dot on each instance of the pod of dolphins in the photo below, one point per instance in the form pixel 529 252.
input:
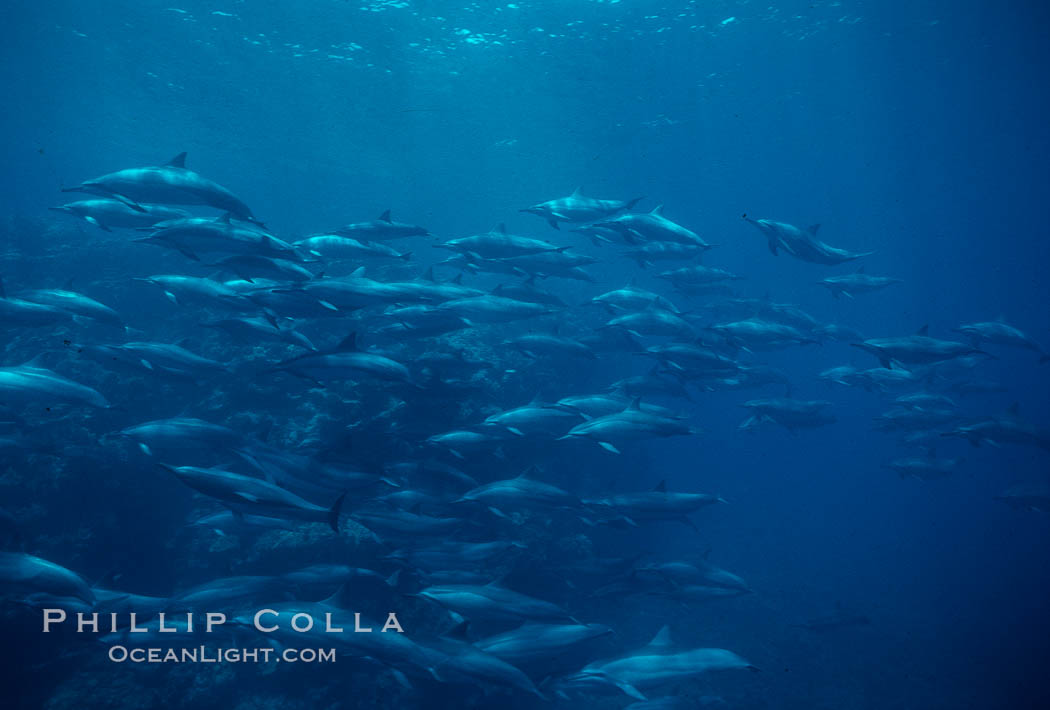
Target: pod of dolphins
pixel 423 452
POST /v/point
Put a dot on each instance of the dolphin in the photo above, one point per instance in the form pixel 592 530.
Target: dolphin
pixel 528 291
pixel 632 298
pixel 180 289
pixel 758 333
pixel 1007 428
pixel 849 285
pixel 534 419
pixel 195 235
pixel 493 602
pixel 540 643
pixel 1000 333
pixel 493 309
pixel 652 321
pixel 802 244
pixel 652 227
pixel 106 213
pixel 343 362
pixel 521 493
pixel 22 313
pixel 656 505
pixel 657 664
pixel 26 575
pixel 1033 497
pixel 77 304
pixel 254 495
pixel 698 275
pixel 336 247
pixel 159 358
pixel 182 436
pixel 599 405
pixel 27 383
pixel 918 349
pixel 498 244
pixel 791 414
pixel 632 423
pixel 535 344
pixel 468 664
pixel 381 229
pixel 169 184
pixel 248 331
pixel 579 209
pixel 646 254
pixel 252 266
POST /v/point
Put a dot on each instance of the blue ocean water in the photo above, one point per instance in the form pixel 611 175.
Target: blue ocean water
pixel 913 131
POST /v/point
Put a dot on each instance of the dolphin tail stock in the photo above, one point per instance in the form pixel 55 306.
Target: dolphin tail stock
pixel 333 517
pixel 127 201
pixel 624 686
pixel 333 513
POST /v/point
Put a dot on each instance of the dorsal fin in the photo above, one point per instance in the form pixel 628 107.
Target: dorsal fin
pixel 1014 409
pixel 68 286
pixel 661 487
pixel 529 472
pixel 459 631
pixel 498 290
pixel 662 638
pixel 635 405
pixel 385 217
pixel 500 228
pixel 813 229
pixel 358 273
pixel 179 161
pixel 429 275
pixel 458 280
pixel 861 269
pixel 341 598
pixel 925 330
pixel 531 281
pixel 658 211
pixel 36 361
pixel 347 344
pixel 577 192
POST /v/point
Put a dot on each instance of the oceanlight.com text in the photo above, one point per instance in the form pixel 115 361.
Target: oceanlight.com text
pixel 203 654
